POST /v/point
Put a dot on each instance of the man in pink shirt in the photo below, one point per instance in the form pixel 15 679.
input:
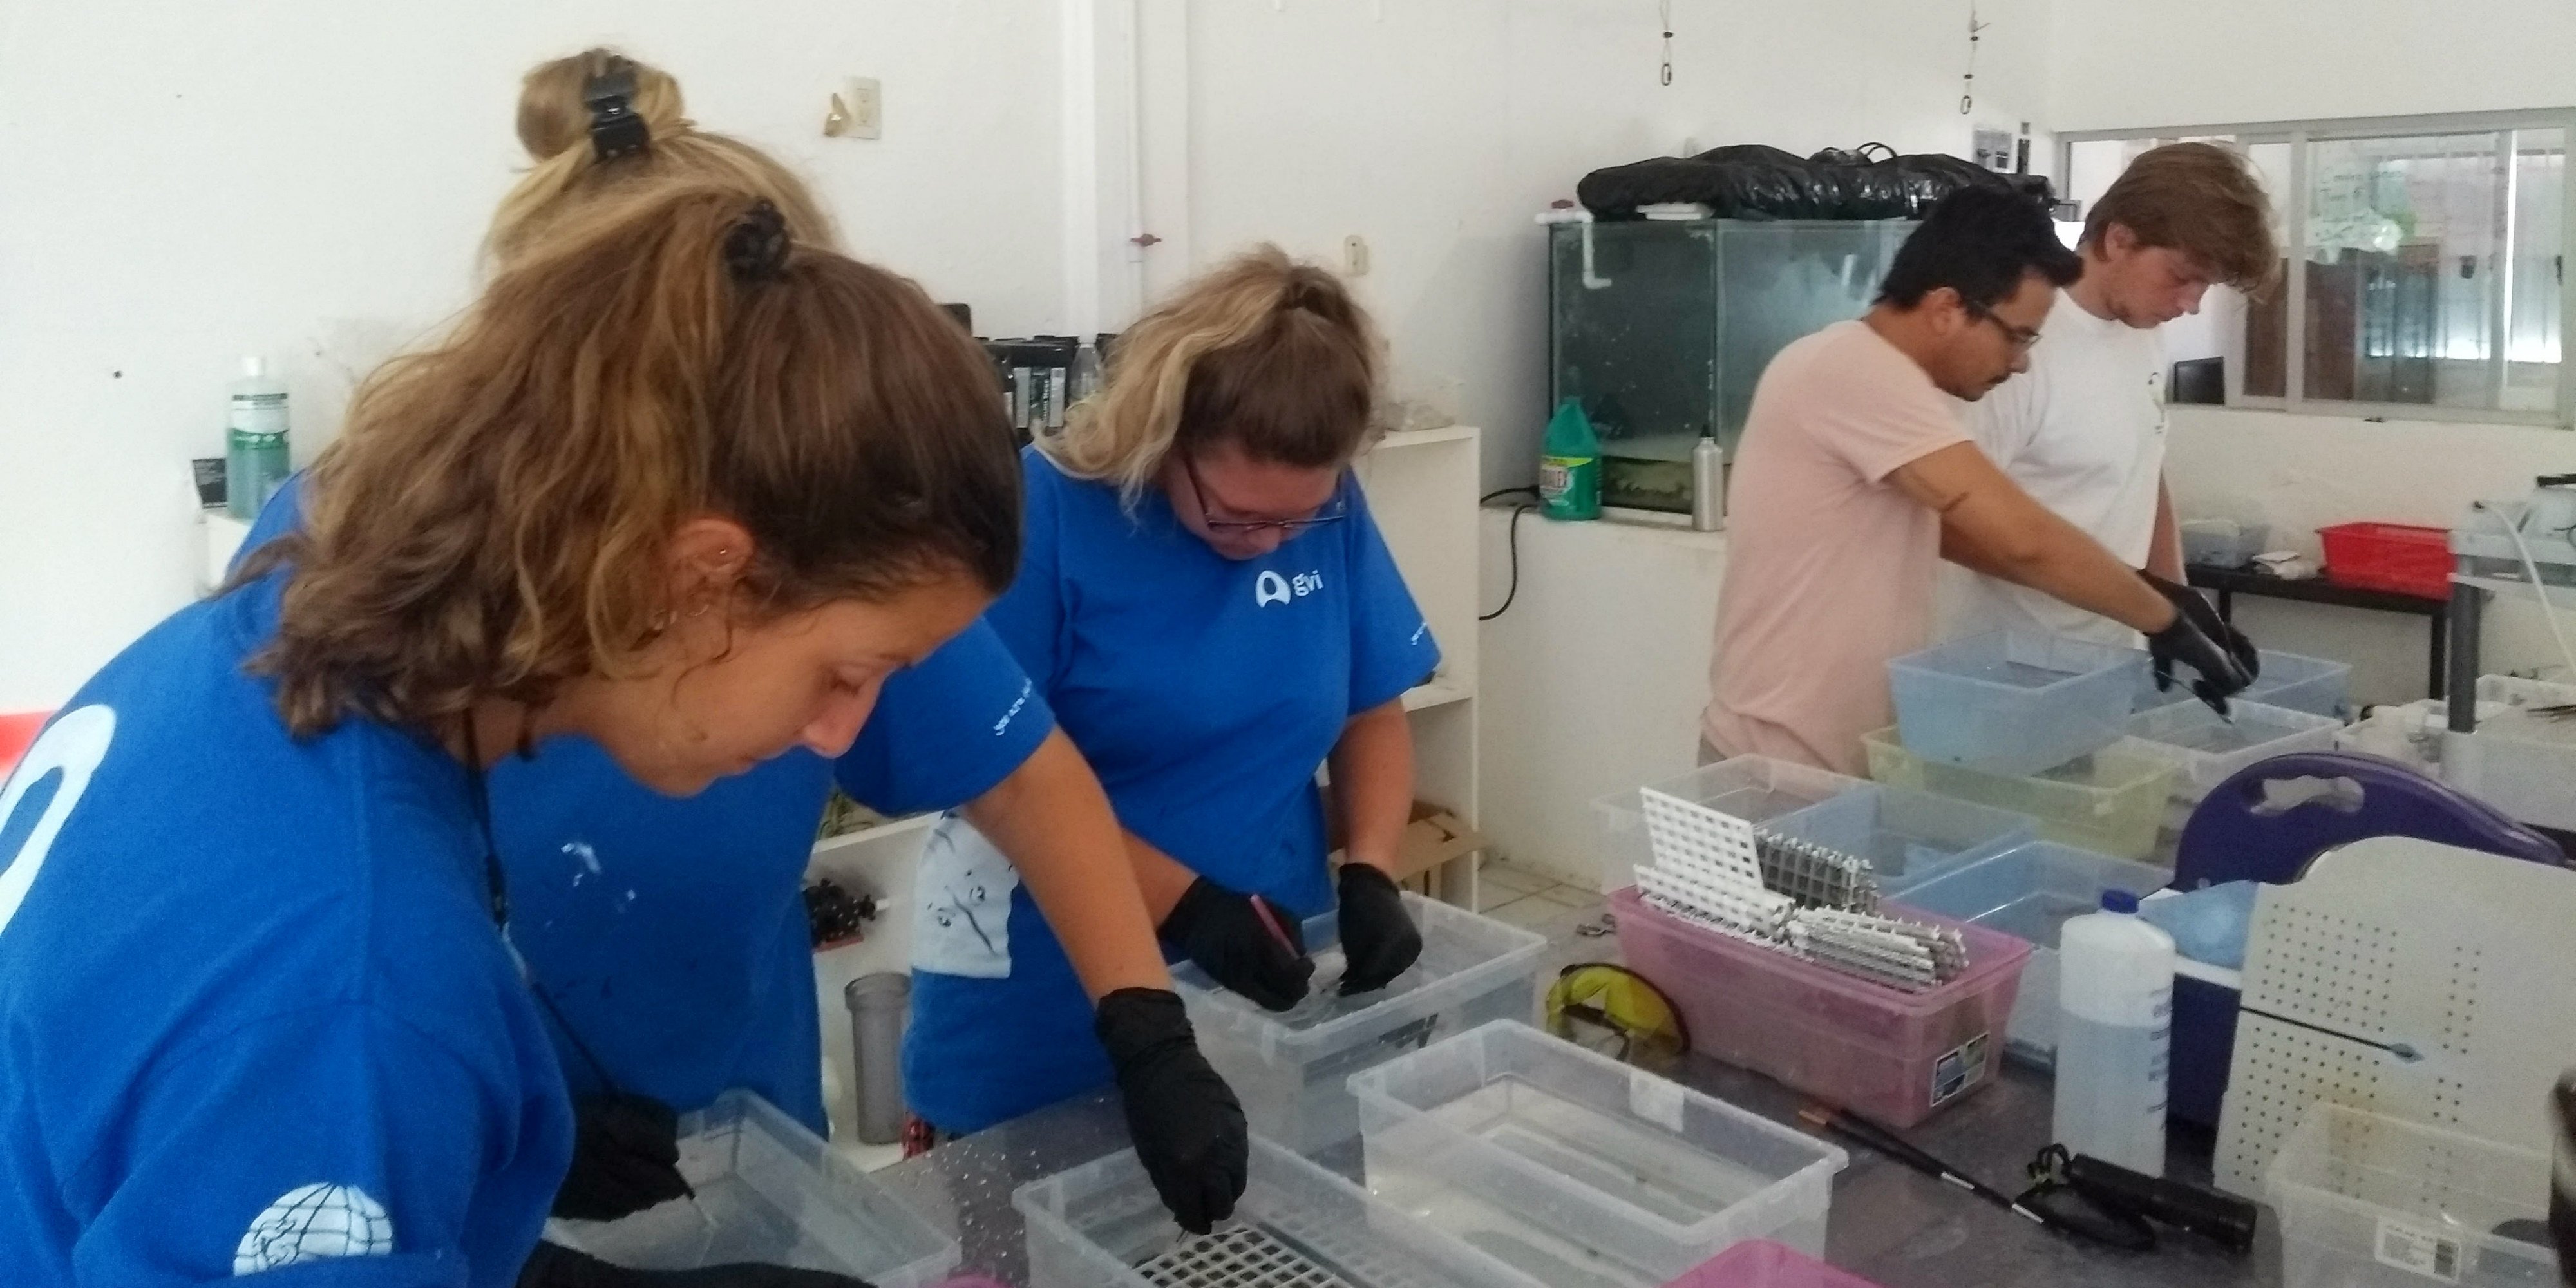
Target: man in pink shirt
pixel 1854 478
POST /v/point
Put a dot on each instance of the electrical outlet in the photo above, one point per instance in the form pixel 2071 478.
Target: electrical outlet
pixel 1355 256
pixel 864 97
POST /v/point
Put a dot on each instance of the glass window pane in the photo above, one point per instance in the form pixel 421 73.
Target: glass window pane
pixel 2267 318
pixel 2406 269
pixel 2534 280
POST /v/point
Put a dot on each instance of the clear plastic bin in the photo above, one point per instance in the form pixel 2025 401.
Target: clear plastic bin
pixel 2223 543
pixel 2519 759
pixel 2111 802
pixel 769 1191
pixel 1756 789
pixel 2028 892
pixel 2206 748
pixel 2015 702
pixel 1297 1225
pixel 1506 1132
pixel 1907 835
pixel 1760 1263
pixel 1291 1067
pixel 2289 680
pixel 1881 1052
pixel 2367 1201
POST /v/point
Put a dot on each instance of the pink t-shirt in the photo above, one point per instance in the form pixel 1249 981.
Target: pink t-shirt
pixel 1829 568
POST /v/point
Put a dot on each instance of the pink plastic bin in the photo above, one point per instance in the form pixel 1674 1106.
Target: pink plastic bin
pixel 1760 1263
pixel 1880 1052
pixel 18 729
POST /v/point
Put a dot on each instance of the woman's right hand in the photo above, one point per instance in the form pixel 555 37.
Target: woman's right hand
pixel 1242 943
pixel 1187 1125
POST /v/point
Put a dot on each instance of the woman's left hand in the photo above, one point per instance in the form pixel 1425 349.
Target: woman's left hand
pixel 1379 939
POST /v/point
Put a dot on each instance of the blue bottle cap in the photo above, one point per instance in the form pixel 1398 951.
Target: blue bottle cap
pixel 2119 901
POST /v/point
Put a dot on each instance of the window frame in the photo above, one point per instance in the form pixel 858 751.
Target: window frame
pixel 2294 233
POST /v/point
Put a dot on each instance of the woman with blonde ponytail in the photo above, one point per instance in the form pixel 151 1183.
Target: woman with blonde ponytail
pixel 668 936
pixel 1207 605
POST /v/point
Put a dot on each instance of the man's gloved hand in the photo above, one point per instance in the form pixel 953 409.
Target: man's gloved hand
pixel 2224 658
pixel 554 1266
pixel 1243 944
pixel 1186 1123
pixel 1379 939
pixel 625 1158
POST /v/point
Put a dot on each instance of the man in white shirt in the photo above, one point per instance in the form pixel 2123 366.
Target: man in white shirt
pixel 2084 430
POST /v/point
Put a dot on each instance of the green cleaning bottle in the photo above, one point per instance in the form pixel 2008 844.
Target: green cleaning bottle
pixel 1569 465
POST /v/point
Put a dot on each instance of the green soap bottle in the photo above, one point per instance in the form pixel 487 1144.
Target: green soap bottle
pixel 1569 465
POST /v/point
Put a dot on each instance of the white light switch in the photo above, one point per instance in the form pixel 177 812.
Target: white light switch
pixel 1355 256
pixel 865 100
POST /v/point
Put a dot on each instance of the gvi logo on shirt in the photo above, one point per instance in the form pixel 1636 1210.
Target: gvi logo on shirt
pixel 1271 588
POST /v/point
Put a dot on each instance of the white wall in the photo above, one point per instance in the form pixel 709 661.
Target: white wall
pixel 1437 129
pixel 2115 64
pixel 189 183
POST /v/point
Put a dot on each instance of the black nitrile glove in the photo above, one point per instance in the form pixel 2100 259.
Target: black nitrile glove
pixel 555 1266
pixel 625 1158
pixel 1379 939
pixel 1186 1123
pixel 1260 956
pixel 2562 1189
pixel 2197 638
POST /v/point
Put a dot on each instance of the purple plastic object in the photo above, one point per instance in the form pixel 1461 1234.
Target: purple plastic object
pixel 1760 1263
pixel 2232 837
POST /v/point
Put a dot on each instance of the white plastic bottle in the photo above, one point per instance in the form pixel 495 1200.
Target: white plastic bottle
pixel 2114 1035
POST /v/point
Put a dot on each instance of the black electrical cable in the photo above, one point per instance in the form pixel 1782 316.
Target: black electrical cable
pixel 1511 542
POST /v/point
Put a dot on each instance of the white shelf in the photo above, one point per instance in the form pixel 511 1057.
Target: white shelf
pixel 1404 438
pixel 1436 693
pixel 890 828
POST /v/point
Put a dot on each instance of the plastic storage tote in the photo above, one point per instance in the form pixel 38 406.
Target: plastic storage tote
pixel 2311 684
pixel 1290 1068
pixel 1297 1225
pixel 2028 892
pixel 2015 702
pixel 2367 1201
pixel 2522 756
pixel 1908 836
pixel 769 1191
pixel 2223 543
pixel 2206 747
pixel 1760 1263
pixel 1506 1132
pixel 1756 789
pixel 1880 1052
pixel 2399 557
pixel 2111 802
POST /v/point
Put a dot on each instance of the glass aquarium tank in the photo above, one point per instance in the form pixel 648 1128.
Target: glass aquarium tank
pixel 1661 328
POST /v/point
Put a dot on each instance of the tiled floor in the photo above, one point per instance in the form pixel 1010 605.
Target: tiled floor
pixel 1571 916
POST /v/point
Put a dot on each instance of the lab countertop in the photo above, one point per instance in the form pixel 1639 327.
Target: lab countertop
pixel 1890 1225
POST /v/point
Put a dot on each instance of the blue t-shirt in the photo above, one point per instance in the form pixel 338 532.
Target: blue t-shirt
pixel 671 933
pixel 1205 692
pixel 254 1011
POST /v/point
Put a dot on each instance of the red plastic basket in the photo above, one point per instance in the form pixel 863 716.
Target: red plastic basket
pixel 2398 557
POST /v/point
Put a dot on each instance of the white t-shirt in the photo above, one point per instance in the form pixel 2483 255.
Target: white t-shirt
pixel 2083 431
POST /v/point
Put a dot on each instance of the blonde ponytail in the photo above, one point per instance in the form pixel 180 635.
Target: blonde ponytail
pixel 555 127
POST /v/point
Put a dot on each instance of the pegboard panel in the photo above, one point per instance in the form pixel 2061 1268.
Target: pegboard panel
pixel 1693 839
pixel 2326 968
pixel 2279 1071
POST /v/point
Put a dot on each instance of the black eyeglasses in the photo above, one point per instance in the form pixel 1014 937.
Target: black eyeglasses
pixel 1334 511
pixel 2022 337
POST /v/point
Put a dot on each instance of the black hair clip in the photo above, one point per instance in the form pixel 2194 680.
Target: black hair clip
pixel 756 249
pixel 615 129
